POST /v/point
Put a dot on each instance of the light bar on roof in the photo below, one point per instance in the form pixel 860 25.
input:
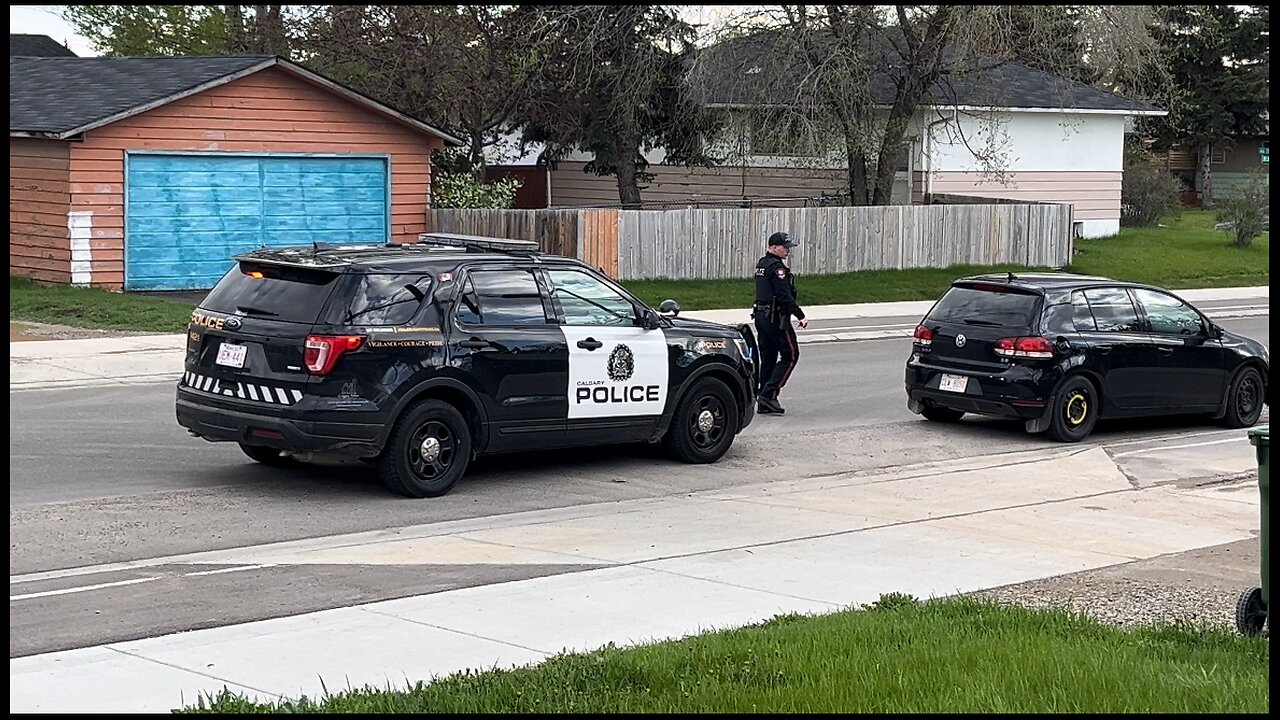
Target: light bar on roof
pixel 477 241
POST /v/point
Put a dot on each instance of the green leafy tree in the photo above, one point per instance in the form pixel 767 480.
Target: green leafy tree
pixel 121 30
pixel 1218 58
pixel 613 81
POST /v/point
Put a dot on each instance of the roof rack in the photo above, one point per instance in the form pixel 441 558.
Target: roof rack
pixel 477 242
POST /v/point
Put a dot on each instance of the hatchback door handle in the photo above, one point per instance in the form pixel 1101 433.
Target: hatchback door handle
pixel 474 343
pixel 1164 350
pixel 1102 349
pixel 590 344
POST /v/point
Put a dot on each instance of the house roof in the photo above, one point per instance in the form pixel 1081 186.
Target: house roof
pixel 758 70
pixel 37 46
pixel 59 97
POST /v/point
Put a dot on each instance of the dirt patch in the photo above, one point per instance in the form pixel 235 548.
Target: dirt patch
pixel 23 331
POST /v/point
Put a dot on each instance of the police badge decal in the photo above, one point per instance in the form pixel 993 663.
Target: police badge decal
pixel 622 363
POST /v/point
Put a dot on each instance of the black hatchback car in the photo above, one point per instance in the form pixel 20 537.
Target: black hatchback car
pixel 418 357
pixel 1062 351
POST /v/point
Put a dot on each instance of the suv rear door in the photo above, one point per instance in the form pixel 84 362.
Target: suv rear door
pixel 247 337
pixel 505 340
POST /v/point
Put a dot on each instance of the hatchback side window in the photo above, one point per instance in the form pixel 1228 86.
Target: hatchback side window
pixel 1112 310
pixel 1167 314
pixel 587 301
pixel 501 297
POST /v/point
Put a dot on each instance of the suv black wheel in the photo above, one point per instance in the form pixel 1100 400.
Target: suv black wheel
pixel 428 450
pixel 1244 399
pixel 268 455
pixel 1074 409
pixel 938 413
pixel 704 423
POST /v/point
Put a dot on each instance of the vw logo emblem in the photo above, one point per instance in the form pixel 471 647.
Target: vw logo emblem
pixel 233 323
pixel 961 340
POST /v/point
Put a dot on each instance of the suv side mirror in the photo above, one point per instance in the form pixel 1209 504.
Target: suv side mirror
pixel 669 307
pixel 1215 330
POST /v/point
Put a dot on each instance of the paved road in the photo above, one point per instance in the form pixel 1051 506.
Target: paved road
pixel 105 476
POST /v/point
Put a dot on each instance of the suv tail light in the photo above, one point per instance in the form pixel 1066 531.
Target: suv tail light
pixel 923 336
pixel 1024 347
pixel 322 351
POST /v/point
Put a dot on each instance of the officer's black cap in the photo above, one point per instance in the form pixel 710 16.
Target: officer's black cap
pixel 781 238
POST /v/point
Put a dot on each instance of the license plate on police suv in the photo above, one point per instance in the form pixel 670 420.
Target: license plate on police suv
pixel 953 383
pixel 232 355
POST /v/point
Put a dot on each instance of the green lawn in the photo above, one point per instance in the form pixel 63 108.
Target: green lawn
pixel 1187 253
pixel 955 656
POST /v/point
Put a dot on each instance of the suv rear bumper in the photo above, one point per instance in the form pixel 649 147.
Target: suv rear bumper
pixel 213 420
pixel 1018 391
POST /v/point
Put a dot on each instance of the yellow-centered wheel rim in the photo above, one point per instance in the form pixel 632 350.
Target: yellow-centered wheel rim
pixel 1077 408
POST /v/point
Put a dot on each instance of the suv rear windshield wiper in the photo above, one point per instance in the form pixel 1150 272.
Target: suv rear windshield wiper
pixel 980 321
pixel 256 311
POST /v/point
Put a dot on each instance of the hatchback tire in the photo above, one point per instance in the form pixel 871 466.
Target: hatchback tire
pixel 428 451
pixel 1075 409
pixel 704 423
pixel 1244 399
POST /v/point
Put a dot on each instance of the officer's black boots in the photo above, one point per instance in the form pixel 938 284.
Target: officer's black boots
pixel 768 406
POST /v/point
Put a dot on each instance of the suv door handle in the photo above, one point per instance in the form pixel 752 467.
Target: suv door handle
pixel 475 343
pixel 590 344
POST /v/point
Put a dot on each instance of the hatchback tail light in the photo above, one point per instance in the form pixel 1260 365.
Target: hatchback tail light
pixel 1024 347
pixel 322 351
pixel 923 336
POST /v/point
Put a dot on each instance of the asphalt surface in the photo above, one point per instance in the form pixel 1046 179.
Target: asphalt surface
pixel 104 475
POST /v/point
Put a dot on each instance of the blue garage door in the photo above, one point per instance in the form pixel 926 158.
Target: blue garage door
pixel 188 214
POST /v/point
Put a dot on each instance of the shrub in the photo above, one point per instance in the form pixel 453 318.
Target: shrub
pixel 454 185
pixel 1245 213
pixel 1148 192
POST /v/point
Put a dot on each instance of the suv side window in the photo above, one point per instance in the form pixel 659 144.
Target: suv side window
pixel 1167 314
pixel 1112 310
pixel 587 301
pixel 501 297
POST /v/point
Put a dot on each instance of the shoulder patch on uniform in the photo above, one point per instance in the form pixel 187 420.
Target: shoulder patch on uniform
pixel 759 272
pixel 782 273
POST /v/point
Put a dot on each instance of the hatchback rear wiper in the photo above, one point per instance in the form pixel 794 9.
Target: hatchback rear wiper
pixel 979 321
pixel 256 311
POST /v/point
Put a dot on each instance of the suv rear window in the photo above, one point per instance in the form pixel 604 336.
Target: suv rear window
pixel 986 305
pixel 287 294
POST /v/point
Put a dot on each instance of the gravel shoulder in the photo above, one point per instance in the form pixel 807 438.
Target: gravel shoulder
pixel 1199 586
pixel 21 331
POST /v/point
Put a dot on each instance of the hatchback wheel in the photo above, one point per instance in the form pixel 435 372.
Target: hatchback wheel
pixel 428 451
pixel 1244 399
pixel 1075 410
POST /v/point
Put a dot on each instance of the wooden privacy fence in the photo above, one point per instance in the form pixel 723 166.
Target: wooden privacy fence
pixel 725 243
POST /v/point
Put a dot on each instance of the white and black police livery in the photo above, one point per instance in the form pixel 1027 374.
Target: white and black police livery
pixel 420 357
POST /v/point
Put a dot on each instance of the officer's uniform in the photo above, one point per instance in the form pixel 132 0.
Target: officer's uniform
pixel 774 307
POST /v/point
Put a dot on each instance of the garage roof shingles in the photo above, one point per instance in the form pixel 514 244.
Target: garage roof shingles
pixel 57 95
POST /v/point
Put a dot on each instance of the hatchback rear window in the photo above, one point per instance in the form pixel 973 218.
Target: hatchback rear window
pixel 287 294
pixel 996 306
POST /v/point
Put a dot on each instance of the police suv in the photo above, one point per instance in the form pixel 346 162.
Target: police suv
pixel 419 357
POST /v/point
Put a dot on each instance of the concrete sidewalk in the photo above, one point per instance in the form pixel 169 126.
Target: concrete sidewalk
pixel 158 358
pixel 652 569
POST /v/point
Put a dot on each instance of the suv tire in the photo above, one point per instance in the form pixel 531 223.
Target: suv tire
pixel 1074 409
pixel 428 451
pixel 704 423
pixel 1244 399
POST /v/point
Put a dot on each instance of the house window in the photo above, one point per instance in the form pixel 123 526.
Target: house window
pixel 1218 157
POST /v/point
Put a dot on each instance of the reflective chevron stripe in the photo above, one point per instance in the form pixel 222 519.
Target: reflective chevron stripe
pixel 242 390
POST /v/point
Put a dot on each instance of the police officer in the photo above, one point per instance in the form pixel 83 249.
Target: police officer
pixel 775 305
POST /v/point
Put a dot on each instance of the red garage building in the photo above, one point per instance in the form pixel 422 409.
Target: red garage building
pixel 148 173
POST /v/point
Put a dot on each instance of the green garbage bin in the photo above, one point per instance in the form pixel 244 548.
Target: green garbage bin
pixel 1251 608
